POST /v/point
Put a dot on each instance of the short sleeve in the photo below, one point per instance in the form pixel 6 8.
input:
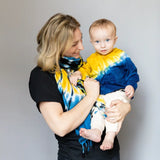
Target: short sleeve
pixel 43 87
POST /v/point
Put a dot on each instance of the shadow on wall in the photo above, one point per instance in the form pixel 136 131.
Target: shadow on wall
pixel 133 124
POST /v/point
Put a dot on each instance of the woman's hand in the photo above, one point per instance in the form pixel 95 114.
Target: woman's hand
pixel 74 77
pixel 92 88
pixel 118 111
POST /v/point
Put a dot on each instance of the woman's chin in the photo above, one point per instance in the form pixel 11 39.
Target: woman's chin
pixel 76 55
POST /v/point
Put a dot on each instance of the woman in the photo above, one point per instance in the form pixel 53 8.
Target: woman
pixel 66 108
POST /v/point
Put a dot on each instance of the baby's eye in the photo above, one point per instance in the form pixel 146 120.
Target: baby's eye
pixel 107 40
pixel 97 41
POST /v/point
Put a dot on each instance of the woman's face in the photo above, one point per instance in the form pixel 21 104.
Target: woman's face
pixel 77 45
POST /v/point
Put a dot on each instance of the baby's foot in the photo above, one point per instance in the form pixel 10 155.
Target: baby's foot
pixel 91 134
pixel 108 141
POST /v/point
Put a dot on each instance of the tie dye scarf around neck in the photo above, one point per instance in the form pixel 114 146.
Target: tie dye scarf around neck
pixel 71 94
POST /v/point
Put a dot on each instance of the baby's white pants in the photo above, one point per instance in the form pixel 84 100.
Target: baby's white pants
pixel 98 121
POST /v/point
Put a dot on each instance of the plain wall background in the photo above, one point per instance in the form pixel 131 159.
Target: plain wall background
pixel 24 134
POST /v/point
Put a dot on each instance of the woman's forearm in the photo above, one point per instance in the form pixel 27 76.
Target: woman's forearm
pixel 74 117
pixel 61 122
pixel 64 122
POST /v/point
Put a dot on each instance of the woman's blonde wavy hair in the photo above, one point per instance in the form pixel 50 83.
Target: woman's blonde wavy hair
pixel 54 39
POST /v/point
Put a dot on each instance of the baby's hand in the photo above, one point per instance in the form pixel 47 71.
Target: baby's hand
pixel 129 90
pixel 74 77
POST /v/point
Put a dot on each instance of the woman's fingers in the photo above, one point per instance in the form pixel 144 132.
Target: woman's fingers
pixel 92 87
pixel 113 115
pixel 118 111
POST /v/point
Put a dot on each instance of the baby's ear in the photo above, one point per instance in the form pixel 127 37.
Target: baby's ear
pixel 116 37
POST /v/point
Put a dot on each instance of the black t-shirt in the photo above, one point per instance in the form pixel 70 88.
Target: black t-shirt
pixel 43 88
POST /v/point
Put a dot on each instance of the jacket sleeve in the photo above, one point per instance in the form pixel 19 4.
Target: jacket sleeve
pixel 132 77
pixel 85 70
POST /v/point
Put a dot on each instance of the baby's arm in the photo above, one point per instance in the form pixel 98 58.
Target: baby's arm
pixel 74 77
pixel 129 90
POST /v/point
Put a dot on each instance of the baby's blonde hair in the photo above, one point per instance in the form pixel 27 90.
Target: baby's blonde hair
pixel 54 39
pixel 102 23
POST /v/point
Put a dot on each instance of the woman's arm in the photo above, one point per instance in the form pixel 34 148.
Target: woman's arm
pixel 61 122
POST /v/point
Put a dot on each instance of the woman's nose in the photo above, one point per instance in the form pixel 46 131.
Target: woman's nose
pixel 80 46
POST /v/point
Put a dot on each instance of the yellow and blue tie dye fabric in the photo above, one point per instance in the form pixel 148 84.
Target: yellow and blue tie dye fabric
pixel 114 71
pixel 71 94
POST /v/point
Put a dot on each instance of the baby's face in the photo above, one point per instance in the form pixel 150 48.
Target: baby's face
pixel 103 39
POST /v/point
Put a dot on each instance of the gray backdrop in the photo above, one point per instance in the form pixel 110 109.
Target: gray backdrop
pixel 23 133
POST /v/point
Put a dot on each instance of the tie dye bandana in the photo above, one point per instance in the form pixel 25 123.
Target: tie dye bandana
pixel 71 94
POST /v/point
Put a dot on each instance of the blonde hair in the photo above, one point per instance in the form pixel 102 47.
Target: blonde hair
pixel 54 39
pixel 102 23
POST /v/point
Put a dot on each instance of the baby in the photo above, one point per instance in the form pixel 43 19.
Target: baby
pixel 117 75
